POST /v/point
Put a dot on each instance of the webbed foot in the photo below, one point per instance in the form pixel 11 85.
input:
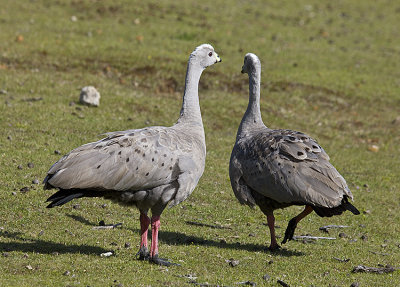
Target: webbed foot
pixel 161 261
pixel 290 230
pixel 143 253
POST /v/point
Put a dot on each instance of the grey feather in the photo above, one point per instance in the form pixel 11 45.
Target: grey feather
pixel 148 167
pixel 283 166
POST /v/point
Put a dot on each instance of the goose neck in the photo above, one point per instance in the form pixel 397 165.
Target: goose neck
pixel 190 111
pixel 252 118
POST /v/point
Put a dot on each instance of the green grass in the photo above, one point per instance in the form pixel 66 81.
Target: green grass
pixel 330 70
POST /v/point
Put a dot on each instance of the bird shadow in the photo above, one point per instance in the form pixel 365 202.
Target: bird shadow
pixel 178 238
pixel 81 220
pixel 23 244
pixel 174 238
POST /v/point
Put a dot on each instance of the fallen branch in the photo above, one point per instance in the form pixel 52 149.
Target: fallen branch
pixel 380 253
pixel 110 226
pixel 378 270
pixel 301 237
pixel 342 260
pixel 283 283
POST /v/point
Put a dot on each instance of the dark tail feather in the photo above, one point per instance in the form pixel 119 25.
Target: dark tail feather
pixel 328 212
pixel 351 208
pixel 63 196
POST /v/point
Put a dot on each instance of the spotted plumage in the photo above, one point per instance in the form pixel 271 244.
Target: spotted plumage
pixel 148 168
pixel 278 168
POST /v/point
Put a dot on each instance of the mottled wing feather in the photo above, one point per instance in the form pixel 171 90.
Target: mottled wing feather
pixel 290 167
pixel 127 160
pixel 239 187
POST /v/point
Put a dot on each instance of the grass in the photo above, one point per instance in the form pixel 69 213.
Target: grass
pixel 330 70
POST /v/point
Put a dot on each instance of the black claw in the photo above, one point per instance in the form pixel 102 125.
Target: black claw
pixel 161 261
pixel 290 230
pixel 143 253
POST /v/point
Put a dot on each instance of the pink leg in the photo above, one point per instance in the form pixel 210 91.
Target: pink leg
pixel 144 227
pixel 155 225
pixel 271 224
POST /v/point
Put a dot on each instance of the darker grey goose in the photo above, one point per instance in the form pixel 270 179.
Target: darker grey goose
pixel 279 168
pixel 148 168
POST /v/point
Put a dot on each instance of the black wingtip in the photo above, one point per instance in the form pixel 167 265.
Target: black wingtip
pixel 351 208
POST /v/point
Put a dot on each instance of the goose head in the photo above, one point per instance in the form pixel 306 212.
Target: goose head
pixel 251 64
pixel 205 55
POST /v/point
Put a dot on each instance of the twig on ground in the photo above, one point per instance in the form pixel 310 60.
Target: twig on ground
pixel 301 237
pixel 379 270
pixel 342 260
pixel 283 283
pixel 111 226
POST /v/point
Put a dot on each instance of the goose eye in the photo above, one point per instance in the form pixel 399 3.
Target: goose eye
pixel 210 54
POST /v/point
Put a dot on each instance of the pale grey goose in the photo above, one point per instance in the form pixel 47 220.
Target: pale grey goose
pixel 279 168
pixel 147 168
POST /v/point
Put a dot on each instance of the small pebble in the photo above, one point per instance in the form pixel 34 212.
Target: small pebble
pixel 104 205
pixel 342 235
pixel 20 167
pixel 76 206
pixel 270 262
pixel 29 267
pixel 232 262
pixel 373 148
pixel 25 255
pixel 24 189
pixel 57 151
pixel 67 273
pixel 3 92
pixel 41 233
pixel 127 245
pixel 364 237
pixel 30 165
pixel 266 277
pixel 365 185
pixel 5 254
pixel 13 193
pixel 106 254
pixel 354 284
pixel 35 181
pixel 252 235
pixel 367 211
pixel 102 223
pixel 9 138
pixel 72 104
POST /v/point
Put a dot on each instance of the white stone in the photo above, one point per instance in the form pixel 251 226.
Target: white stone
pixel 89 96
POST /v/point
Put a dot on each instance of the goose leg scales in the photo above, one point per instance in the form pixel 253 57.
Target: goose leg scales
pixel 293 223
pixel 271 224
pixel 155 226
pixel 144 228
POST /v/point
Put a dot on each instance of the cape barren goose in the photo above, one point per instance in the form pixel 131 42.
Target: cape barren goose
pixel 279 168
pixel 147 168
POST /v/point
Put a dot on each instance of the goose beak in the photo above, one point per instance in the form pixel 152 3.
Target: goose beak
pixel 217 58
pixel 242 71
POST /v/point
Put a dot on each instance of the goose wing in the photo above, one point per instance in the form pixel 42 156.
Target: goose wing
pixel 126 160
pixel 291 167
